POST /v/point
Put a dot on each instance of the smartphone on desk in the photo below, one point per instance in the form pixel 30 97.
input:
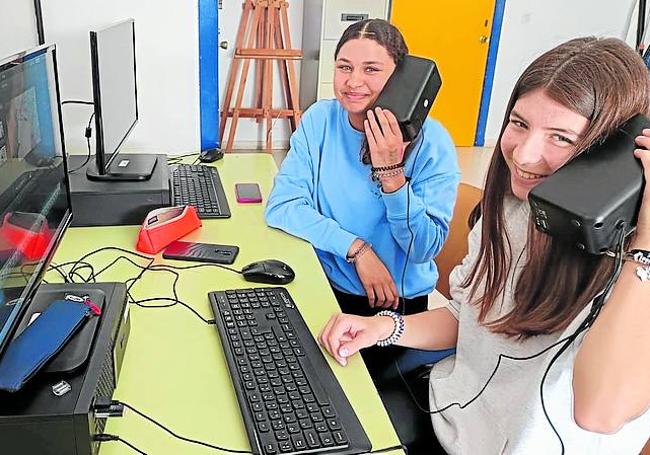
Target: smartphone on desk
pixel 201 252
pixel 248 193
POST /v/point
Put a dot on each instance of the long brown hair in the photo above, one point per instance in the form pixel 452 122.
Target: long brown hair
pixel 605 81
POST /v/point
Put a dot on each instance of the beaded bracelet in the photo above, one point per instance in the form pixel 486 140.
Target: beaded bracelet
pixel 641 257
pixel 398 328
pixel 352 259
pixel 379 174
pixel 387 168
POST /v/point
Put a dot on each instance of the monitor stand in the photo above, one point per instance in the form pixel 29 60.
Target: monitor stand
pixel 126 168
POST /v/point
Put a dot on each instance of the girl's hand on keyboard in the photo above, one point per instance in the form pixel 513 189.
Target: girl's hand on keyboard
pixel 346 334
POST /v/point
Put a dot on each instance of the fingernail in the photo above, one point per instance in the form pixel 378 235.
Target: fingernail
pixel 344 352
pixel 343 362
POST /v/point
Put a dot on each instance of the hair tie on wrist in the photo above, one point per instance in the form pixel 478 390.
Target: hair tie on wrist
pixel 398 328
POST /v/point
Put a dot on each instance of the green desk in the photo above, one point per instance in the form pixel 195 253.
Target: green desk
pixel 174 368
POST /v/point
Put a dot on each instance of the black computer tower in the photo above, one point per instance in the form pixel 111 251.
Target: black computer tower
pixel 35 420
pixel 116 203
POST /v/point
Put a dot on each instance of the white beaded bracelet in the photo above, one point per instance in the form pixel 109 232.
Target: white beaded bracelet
pixel 398 329
pixel 641 257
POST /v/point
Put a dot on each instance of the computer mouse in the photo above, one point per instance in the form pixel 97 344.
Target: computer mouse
pixel 270 271
pixel 210 155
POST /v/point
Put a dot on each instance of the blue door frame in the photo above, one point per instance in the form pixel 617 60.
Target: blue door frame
pixel 209 72
pixel 495 36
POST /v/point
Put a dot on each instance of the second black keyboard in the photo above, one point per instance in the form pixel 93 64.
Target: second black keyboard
pixel 290 400
pixel 199 186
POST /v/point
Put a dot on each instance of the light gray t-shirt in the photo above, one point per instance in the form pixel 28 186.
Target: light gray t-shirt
pixel 507 418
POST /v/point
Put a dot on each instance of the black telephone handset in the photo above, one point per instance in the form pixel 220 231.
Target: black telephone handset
pixel 598 193
pixel 409 93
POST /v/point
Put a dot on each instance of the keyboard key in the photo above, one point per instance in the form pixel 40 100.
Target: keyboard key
pixel 333 424
pixel 326 439
pixel 312 438
pixel 339 437
pixel 299 442
pixel 285 446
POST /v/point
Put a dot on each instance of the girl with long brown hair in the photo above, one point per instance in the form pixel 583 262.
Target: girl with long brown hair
pixel 519 292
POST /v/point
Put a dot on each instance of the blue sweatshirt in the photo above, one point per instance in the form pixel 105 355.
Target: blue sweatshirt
pixel 325 195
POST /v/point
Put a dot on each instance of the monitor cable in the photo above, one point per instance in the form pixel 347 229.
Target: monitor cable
pixel 106 437
pixel 89 103
pixel 178 159
pixel 87 133
pixel 74 276
pixel 115 408
pixel 408 220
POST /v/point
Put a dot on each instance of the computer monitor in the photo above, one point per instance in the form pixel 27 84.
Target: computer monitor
pixel 115 97
pixel 34 191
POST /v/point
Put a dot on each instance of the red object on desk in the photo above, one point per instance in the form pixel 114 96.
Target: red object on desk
pixel 162 226
pixel 27 233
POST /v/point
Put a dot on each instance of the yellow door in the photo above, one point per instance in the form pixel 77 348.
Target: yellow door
pixel 455 34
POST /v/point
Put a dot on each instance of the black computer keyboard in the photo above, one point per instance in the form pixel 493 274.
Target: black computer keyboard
pixel 290 400
pixel 200 186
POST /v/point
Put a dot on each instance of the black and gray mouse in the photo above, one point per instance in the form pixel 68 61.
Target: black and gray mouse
pixel 270 271
pixel 210 155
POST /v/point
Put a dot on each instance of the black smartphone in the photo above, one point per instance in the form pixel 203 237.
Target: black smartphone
pixel 409 93
pixel 201 252
pixel 248 193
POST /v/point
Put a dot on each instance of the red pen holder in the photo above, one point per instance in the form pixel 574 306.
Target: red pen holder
pixel 162 226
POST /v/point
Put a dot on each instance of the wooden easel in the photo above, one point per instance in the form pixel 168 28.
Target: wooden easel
pixel 267 39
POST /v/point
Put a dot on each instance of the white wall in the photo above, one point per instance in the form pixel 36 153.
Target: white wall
pixel 167 66
pixel 167 55
pixel 531 27
pixel 167 59
pixel 17 27
pixel 249 133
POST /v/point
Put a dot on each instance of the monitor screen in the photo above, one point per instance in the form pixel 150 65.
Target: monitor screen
pixel 34 194
pixel 112 53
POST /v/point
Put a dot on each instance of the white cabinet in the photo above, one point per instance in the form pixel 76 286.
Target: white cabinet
pixel 324 21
